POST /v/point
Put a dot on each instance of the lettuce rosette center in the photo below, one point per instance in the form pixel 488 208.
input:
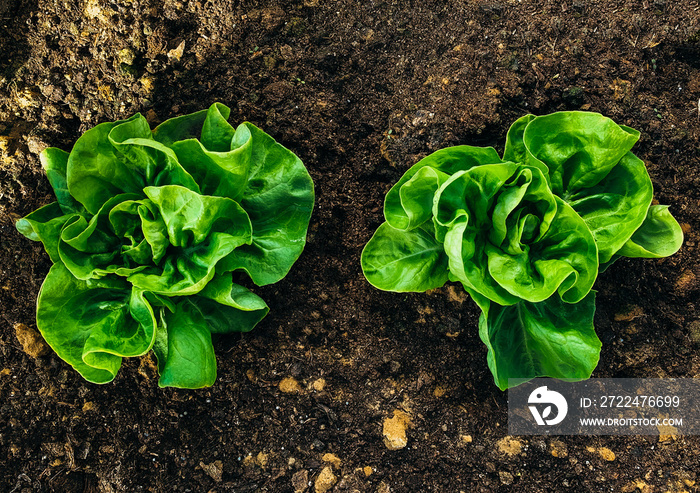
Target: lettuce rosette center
pixel 147 231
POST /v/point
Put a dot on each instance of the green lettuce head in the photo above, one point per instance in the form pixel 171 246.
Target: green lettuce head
pixel 147 232
pixel 526 235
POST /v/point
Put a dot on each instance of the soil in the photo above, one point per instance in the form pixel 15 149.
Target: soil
pixel 359 91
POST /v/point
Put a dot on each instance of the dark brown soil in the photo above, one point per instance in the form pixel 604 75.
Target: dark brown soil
pixel 360 91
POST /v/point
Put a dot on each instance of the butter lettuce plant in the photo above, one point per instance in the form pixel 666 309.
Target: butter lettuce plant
pixel 149 234
pixel 526 235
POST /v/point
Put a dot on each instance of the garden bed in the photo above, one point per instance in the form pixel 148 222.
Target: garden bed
pixel 360 91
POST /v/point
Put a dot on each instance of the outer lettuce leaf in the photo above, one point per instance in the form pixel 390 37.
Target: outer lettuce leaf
pixel 578 148
pixel 184 350
pixel 279 199
pixel 589 164
pixel 416 199
pixel 515 149
pixel 183 342
pixel 146 219
pixel 229 307
pixel 550 338
pixel 404 261
pixel 93 324
pixel 615 208
pixel 660 235
pixel 210 126
pixel 55 163
pixel 45 225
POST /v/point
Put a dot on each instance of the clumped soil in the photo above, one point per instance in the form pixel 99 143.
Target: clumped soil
pixel 359 91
